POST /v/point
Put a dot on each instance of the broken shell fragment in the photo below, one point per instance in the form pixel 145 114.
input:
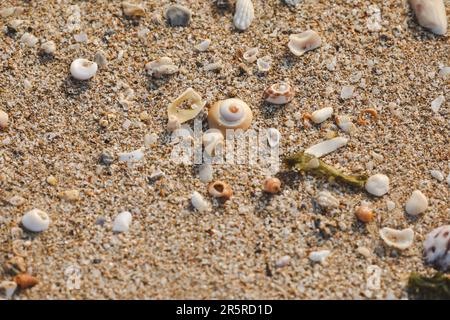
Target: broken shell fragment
pixel 345 123
pixel 199 202
pixel 220 189
pixel 133 156
pixel 378 185
pixel 292 3
pixel 279 93
pixel 326 200
pixel 321 115
pixel 184 108
pixel 244 14
pixel 4 119
pixel 203 46
pixel 431 15
pixel 417 203
pixel 212 140
pixel 251 55
pixel 272 185
pixel 273 137
pixel 264 64
pixel 319 256
pixel 230 114
pixel 132 10
pixel 400 239
pixel 161 67
pixel 436 248
pixel 303 42
pixel 49 47
pixel 326 147
pixel 83 69
pixel 36 220
pixel 122 222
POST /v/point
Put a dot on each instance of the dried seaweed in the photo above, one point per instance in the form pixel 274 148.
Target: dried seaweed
pixel 436 287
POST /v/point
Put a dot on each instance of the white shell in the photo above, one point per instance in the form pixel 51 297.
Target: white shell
pixel 319 256
pixel 326 200
pixel 251 55
pixel 191 97
pixel 264 64
pixel 4 119
pixel 244 14
pixel 282 262
pixel 431 15
pixel 438 175
pixel 345 123
pixel 36 220
pixel 437 103
pixel 161 67
pixel 122 222
pixel 273 137
pixel 321 115
pixel 203 46
pixel 205 173
pixel 304 42
pixel 132 156
pixel 417 203
pixel 378 185
pixel 212 140
pixel 8 288
pixel 49 47
pixel 29 39
pixel 444 72
pixel 326 147
pixel 436 248
pixel 400 239
pixel 199 202
pixel 83 69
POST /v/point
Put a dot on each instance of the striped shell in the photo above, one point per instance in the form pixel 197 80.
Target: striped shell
pixel 279 93
pixel 244 14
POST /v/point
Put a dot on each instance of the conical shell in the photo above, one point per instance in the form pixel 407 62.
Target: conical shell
pixel 431 15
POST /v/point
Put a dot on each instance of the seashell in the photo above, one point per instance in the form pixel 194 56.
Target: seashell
pixel 49 47
pixel 279 93
pixel 178 15
pixel 251 55
pixel 220 189
pixel 272 185
pixel 264 64
pixel 292 2
pixel 437 103
pixel 230 114
pixel 300 43
pixel 400 239
pixel 203 46
pixel 417 203
pixel 122 222
pixel 205 172
pixel 4 119
pixel 282 262
pixel 326 147
pixel 132 10
pixel 70 195
pixel 199 202
pixel 212 139
pixel 319 256
pixel 347 92
pixel 273 137
pixel 161 67
pixel 83 69
pixel 244 14
pixel 29 39
pixel 215 66
pixel 8 288
pixel 133 156
pixel 321 115
pixel 326 200
pixel 364 214
pixel 345 123
pixel 431 15
pixel 36 220
pixel 436 248
pixel 24 280
pixel 378 185
pixel 186 107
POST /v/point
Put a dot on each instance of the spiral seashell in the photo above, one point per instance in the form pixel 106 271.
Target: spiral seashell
pixel 400 239
pixel 303 42
pixel 431 15
pixel 220 189
pixel 244 14
pixel 279 93
pixel 184 108
pixel 436 248
pixel 212 139
pixel 83 69
pixel 230 114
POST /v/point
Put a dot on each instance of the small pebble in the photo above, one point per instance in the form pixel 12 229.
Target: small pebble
pixel 81 37
pixel 133 156
pixel 25 281
pixel 49 47
pixel 321 115
pixel 438 175
pixel 4 119
pixel 199 202
pixel 150 139
pixel 36 220
pixel 365 252
pixel 205 173
pixel 326 200
pixel 51 180
pixel 178 15
pixel 106 158
pixel 70 195
pixel 347 92
pixel 203 46
pixel 390 205
pixel 378 185
pixel 319 256
pixel 282 262
pixel 29 39
pixel 8 288
pixel 132 10
pixel 417 203
pixel 122 222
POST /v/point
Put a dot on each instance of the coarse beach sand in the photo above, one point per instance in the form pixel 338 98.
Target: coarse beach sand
pixel 59 127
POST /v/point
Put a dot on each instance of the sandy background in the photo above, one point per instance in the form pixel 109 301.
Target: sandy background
pixel 172 251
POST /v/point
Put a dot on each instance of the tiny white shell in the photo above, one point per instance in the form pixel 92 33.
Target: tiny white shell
pixel 417 203
pixel 264 64
pixel 199 202
pixel 347 92
pixel 203 46
pixel 251 55
pixel 132 156
pixel 36 220
pixel 161 67
pixel 122 222
pixel 326 147
pixel 303 42
pixel 282 262
pixel 400 239
pixel 273 137
pixel 345 123
pixel 436 248
pixel 378 185
pixel 431 15
pixel 279 93
pixel 326 200
pixel 83 69
pixel 321 115
pixel 49 47
pixel 319 256
pixel 244 14
pixel 29 39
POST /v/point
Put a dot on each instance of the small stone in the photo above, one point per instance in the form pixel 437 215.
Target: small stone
pixel 178 15
pixel 417 203
pixel 378 185
pixel 437 103
pixel 282 262
pixel 326 200
pixel 49 47
pixel 132 10
pixel 122 222
pixel 100 59
pixel 390 205
pixel 347 92
pixel 4 119
pixel 133 156
pixel 70 195
pixel 199 202
pixel 25 281
pixel 364 252
pixel 51 180
pixel 81 37
pixel 28 39
pixel 27 84
pixel 438 175
pixel 319 256
pixel 203 46
pixel 106 158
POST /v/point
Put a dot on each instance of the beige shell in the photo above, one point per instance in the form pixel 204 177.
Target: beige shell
pixel 161 67
pixel 244 14
pixel 431 15
pixel 279 93
pixel 212 140
pixel 303 42
pixel 220 189
pixel 230 114
pixel 400 239
pixel 132 10
pixel 272 185
pixel 193 105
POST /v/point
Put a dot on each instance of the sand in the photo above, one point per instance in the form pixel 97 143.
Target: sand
pixel 57 128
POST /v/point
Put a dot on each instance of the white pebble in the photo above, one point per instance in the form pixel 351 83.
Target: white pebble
pixel 282 262
pixel 28 39
pixel 83 69
pixel 319 256
pixel 390 205
pixel 203 46
pixel 417 203
pixel 36 220
pixel 199 202
pixel 205 173
pixel 122 222
pixel 81 37
pixel 437 103
pixel 438 175
pixel 377 185
pixel 321 115
pixel 133 156
pixel 326 147
pixel 347 92
pixel 326 200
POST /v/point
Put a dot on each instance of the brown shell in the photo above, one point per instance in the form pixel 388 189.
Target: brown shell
pixel 220 189
pixel 24 280
pixel 273 95
pixel 214 118
pixel 364 214
pixel 272 185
